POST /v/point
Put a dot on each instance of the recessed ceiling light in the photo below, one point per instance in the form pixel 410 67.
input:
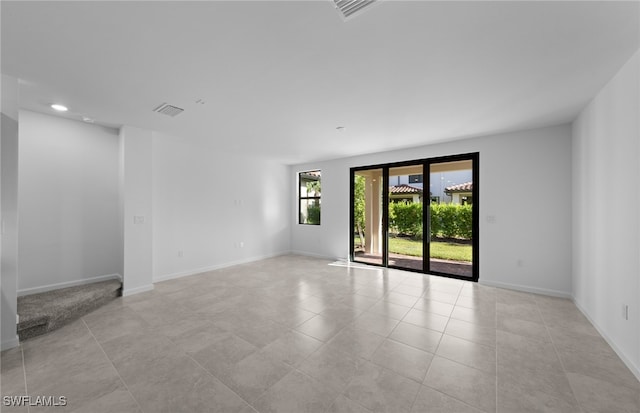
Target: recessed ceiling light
pixel 59 108
pixel 87 119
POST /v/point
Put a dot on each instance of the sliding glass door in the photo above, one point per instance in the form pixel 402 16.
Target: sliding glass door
pixel 406 220
pixel 418 215
pixel 367 227
pixel 451 217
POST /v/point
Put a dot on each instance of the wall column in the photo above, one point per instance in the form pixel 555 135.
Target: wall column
pixel 136 199
pixel 373 214
pixel 9 206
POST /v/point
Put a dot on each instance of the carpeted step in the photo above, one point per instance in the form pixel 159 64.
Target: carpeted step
pixel 43 312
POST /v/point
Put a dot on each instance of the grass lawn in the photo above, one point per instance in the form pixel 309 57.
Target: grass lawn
pixel 441 250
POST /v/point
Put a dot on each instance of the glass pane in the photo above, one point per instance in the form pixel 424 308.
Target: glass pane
pixel 367 213
pixel 451 222
pixel 310 211
pixel 405 217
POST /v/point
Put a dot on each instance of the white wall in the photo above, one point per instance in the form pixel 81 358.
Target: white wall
pixel 606 201
pixel 68 202
pixel 136 211
pixel 9 206
pixel 206 203
pixel 516 171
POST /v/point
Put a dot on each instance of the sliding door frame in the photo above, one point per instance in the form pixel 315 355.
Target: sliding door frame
pixel 475 213
pixel 426 163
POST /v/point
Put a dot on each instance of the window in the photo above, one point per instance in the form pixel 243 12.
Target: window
pixel 309 197
pixel 415 179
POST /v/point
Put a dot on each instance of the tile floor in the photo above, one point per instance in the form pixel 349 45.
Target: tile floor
pixel 295 334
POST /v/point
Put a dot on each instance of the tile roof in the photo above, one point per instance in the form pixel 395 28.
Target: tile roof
pixel 311 175
pixel 465 187
pixel 404 189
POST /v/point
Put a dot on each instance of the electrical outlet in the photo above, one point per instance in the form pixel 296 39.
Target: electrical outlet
pixel 241 244
pixel 625 311
pixel 180 253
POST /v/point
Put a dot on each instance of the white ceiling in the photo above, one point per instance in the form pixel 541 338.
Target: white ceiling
pixel 279 77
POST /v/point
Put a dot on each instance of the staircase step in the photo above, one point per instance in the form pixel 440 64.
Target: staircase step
pixel 43 312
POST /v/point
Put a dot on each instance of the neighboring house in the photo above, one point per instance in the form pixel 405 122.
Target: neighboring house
pixel 412 180
pixel 440 181
pixel 443 187
pixel 460 194
pixel 404 192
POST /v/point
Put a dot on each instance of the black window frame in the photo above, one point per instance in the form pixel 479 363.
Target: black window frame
pixel 474 157
pixel 307 198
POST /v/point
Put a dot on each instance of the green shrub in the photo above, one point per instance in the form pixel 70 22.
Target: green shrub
pixel 465 221
pixel 436 220
pixel 449 217
pixel 451 221
pixel 447 220
pixel 313 214
pixel 406 218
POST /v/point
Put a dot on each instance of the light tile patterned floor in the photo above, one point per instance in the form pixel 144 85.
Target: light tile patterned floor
pixel 295 334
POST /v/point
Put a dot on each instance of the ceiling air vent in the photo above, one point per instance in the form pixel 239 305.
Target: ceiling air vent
pixel 169 110
pixel 350 7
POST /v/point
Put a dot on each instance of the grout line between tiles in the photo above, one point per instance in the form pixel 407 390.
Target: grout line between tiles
pixel 342 393
pixel 431 364
pixel 555 349
pixel 24 374
pixel 420 386
pixel 223 383
pixel 449 395
pixel 112 365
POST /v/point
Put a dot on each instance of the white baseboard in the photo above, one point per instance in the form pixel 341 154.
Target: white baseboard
pixel 137 290
pixel 6 345
pixel 634 369
pixel 195 271
pixel 44 288
pixel 314 255
pixel 526 289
